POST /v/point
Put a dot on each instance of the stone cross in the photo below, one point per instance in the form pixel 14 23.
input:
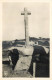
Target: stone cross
pixel 26 13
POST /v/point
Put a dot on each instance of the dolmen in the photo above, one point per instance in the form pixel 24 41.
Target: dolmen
pixel 30 55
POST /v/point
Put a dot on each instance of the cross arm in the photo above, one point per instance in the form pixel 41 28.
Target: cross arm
pixel 29 13
pixel 24 13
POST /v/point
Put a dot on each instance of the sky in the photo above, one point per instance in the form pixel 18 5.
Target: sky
pixel 13 22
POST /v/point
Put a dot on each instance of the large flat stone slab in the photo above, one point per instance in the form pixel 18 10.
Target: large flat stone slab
pixel 25 60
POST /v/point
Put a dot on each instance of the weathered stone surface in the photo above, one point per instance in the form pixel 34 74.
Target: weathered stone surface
pixel 26 13
pixel 24 62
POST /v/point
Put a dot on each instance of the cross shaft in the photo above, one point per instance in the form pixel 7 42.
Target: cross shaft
pixel 26 13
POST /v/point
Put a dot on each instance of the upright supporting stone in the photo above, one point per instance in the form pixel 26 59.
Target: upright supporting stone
pixel 34 68
pixel 26 13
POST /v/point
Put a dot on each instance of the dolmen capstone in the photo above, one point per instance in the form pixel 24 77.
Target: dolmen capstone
pixel 24 61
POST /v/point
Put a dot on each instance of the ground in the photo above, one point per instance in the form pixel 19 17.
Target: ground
pixel 8 72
